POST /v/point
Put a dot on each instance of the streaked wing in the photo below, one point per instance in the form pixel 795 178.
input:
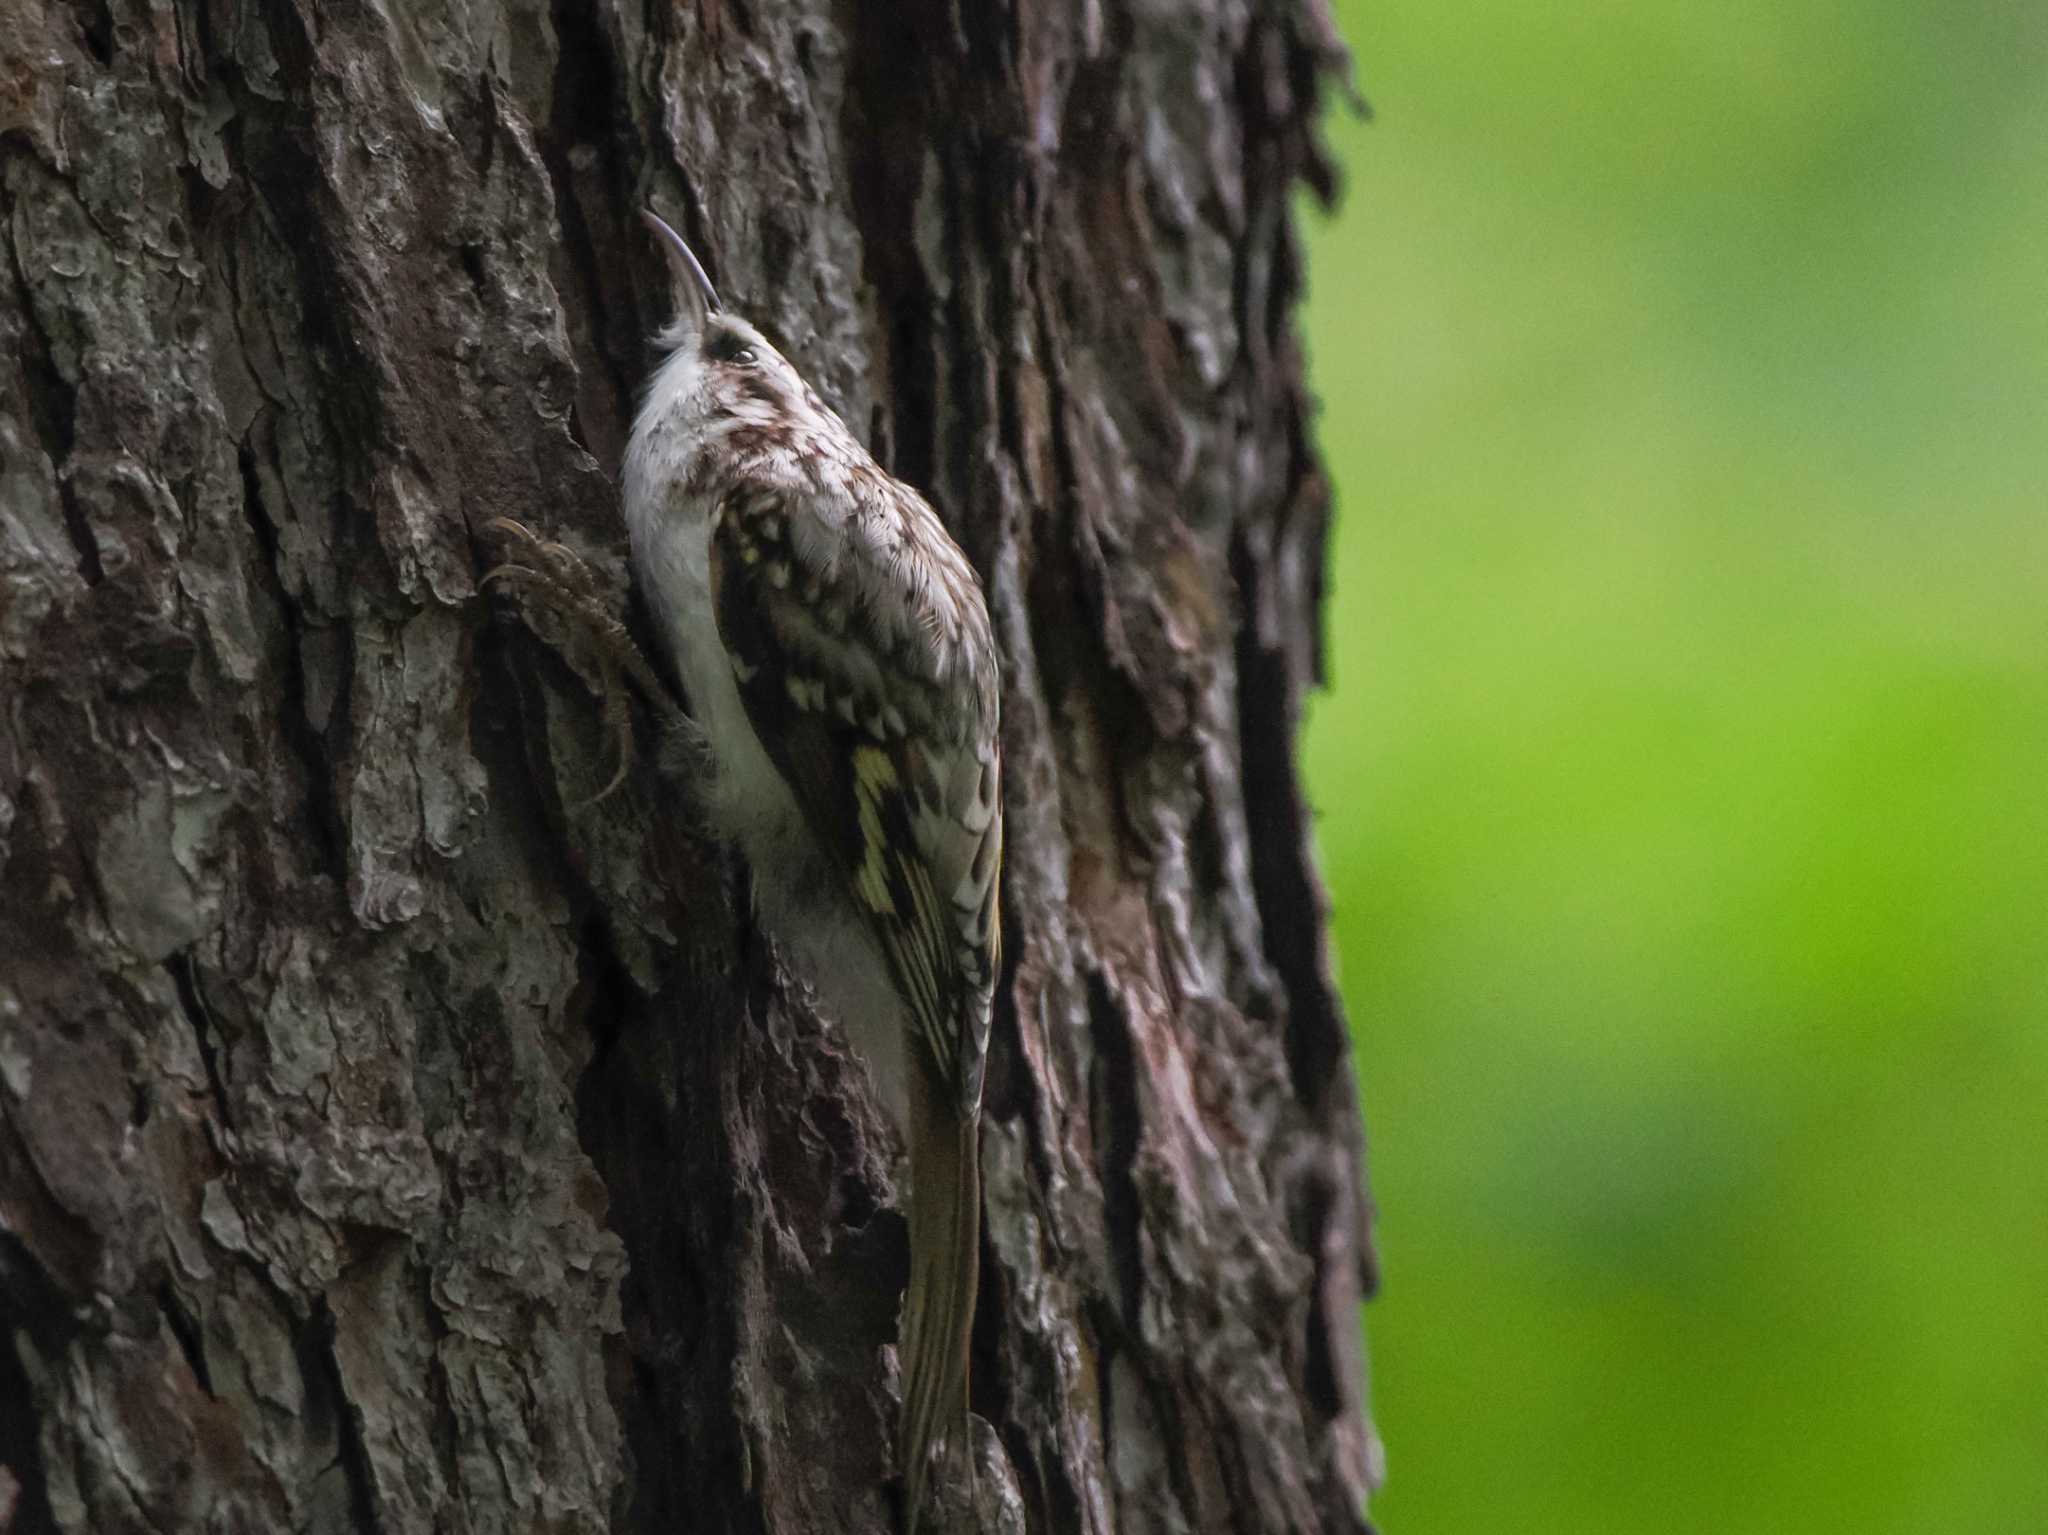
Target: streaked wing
pixel 883 723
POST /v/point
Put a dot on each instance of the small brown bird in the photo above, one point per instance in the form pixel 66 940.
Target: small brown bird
pixel 835 648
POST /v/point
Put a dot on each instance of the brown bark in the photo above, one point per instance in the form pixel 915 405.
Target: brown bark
pixel 390 1142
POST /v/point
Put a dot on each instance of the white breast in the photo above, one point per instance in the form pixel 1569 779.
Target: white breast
pixel 750 801
pixel 801 895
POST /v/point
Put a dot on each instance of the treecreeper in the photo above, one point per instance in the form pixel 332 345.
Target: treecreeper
pixel 834 650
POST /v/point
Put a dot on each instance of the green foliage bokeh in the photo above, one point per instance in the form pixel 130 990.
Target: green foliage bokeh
pixel 1683 785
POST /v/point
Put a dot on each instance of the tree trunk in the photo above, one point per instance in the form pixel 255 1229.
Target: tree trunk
pixel 392 1141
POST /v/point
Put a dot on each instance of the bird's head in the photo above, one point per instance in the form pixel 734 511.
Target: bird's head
pixel 718 369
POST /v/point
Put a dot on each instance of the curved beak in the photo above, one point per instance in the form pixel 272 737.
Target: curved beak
pixel 698 294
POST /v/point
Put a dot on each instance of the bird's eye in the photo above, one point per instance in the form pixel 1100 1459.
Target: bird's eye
pixel 728 347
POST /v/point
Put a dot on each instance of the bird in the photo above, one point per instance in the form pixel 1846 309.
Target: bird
pixel 843 690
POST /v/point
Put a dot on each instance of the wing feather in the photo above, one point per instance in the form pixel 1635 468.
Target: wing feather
pixel 865 665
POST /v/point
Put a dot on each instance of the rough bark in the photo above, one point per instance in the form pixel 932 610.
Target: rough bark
pixel 388 1140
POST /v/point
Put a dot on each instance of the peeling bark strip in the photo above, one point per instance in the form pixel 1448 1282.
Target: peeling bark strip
pixel 387 1144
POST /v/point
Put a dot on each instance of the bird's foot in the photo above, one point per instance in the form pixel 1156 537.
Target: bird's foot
pixel 570 590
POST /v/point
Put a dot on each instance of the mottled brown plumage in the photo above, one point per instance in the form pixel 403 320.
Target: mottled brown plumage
pixel 835 647
pixel 835 650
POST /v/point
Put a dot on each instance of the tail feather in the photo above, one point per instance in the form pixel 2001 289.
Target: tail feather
pixel 945 1258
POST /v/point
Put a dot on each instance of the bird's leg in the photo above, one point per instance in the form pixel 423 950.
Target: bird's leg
pixel 570 590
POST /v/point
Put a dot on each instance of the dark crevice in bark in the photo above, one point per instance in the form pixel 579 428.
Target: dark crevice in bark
pixel 1090 648
pixel 329 841
pixel 741 14
pixel 1031 1483
pixel 471 256
pixel 30 1306
pixel 1273 144
pixel 53 406
pixel 604 991
pixel 1007 1089
pixel 975 378
pixel 95 28
pixel 206 49
pixel 183 969
pixel 1276 813
pixel 1108 1345
pixel 854 1202
pixel 82 537
pixel 476 125
pixel 185 1328
pixel 587 158
pixel 631 1123
pixel 326 1393
pixel 988 1375
pixel 447 1433
pixel 53 402
pixel 1321 1377
pixel 1118 1124
pixel 884 122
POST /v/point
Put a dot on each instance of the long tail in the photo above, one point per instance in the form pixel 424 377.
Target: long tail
pixel 945 1259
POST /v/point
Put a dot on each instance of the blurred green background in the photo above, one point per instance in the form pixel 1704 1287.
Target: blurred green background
pixel 1684 784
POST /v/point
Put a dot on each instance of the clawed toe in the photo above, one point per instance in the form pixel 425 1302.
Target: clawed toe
pixel 567 587
pixel 551 562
